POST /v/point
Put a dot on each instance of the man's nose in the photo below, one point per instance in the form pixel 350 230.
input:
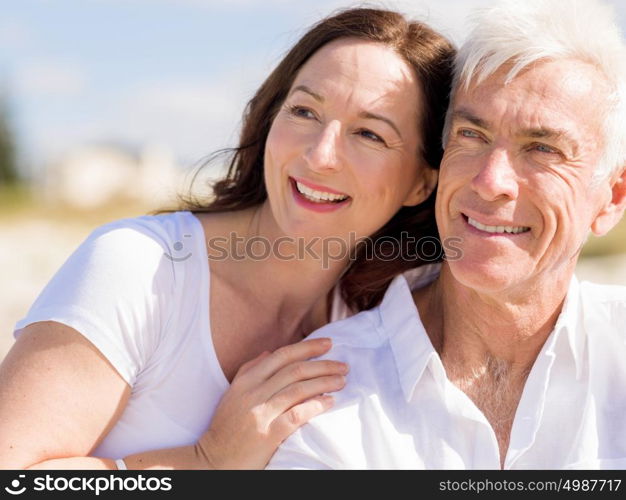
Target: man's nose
pixel 496 178
pixel 324 154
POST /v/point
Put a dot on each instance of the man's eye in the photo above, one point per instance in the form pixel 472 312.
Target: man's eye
pixel 301 112
pixel 368 134
pixel 464 132
pixel 543 148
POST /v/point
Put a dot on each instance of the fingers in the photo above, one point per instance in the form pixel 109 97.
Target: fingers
pixel 298 415
pixel 301 371
pixel 298 392
pixel 253 362
pixel 282 357
pixel 270 397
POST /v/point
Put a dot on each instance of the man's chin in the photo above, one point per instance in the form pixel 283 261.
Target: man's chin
pixel 490 275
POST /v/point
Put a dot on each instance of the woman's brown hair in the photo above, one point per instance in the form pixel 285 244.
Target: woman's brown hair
pixel 430 55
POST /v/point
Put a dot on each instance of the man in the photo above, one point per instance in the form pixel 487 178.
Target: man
pixel 502 359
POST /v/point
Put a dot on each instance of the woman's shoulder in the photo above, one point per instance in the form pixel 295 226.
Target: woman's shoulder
pixel 125 285
pixel 162 230
pixel 223 224
pixel 223 229
pixel 172 237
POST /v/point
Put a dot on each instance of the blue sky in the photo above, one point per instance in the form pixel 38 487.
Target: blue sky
pixel 171 72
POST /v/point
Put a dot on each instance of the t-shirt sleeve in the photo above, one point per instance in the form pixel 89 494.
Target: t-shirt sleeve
pixel 114 289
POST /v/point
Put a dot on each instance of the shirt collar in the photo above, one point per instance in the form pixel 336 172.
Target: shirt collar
pixel 570 324
pixel 403 327
pixel 411 346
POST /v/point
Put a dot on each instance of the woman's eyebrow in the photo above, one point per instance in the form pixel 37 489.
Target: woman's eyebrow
pixel 364 114
pixel 374 116
pixel 307 90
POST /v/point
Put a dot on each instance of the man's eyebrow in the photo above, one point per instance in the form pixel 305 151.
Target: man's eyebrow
pixel 307 90
pixel 544 133
pixel 551 134
pixel 464 114
pixel 374 116
pixel 534 133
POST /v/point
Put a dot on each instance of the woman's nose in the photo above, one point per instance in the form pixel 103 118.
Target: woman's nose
pixel 324 154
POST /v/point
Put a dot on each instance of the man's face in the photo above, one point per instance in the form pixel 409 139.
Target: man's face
pixel 516 177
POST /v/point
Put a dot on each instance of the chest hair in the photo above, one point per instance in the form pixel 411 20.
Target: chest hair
pixel 496 389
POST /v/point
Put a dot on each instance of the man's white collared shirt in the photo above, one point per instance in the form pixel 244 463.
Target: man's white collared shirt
pixel 399 410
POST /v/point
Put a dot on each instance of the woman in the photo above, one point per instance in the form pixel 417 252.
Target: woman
pixel 158 326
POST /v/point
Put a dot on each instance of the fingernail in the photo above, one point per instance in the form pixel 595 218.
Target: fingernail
pixel 344 368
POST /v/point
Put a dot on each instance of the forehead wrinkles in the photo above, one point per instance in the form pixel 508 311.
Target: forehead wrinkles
pixel 358 80
pixel 368 66
pixel 357 55
pixel 545 97
pixel 398 103
pixel 369 76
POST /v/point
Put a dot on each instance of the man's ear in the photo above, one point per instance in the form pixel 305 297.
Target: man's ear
pixel 423 187
pixel 612 212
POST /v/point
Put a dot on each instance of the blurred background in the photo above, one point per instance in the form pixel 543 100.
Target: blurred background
pixel 108 106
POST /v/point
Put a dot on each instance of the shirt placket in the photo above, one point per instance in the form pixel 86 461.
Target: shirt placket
pixel 487 454
pixel 531 407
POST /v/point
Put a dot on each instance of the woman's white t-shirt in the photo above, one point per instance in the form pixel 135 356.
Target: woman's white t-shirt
pixel 138 289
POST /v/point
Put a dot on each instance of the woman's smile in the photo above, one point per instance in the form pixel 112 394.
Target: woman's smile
pixel 317 198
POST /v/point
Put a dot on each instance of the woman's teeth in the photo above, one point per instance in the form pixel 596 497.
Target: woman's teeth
pixel 319 196
pixel 497 229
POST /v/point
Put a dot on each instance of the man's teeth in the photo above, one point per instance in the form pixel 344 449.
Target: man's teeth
pixel 497 229
pixel 318 196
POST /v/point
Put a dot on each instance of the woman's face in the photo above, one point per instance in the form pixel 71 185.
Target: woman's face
pixel 342 155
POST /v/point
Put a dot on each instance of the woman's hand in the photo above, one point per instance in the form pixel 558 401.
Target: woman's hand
pixel 269 398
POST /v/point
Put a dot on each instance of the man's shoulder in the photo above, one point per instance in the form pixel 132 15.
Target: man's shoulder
pixel 599 296
pixel 604 305
pixel 335 439
pixel 361 331
pixel 362 343
pixel 602 293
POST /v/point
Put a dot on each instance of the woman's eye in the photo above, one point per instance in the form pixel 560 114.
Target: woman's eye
pixel 368 134
pixel 301 112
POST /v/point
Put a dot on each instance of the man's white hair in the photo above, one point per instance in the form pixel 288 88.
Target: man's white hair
pixel 522 32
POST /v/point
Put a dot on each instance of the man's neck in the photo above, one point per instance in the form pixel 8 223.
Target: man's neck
pixel 466 325
pixel 489 342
